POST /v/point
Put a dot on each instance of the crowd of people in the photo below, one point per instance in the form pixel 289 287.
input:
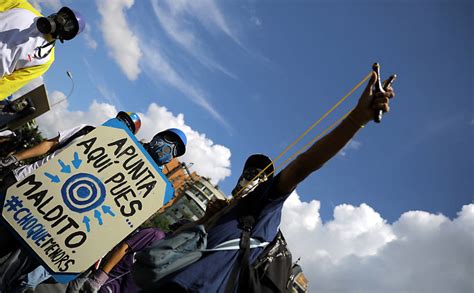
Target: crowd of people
pixel 216 253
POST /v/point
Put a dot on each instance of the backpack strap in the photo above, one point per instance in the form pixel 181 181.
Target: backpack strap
pixel 234 244
pixel 242 265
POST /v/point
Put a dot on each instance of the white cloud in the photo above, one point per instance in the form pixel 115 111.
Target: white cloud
pixel 87 35
pixel 124 48
pixel 60 117
pixel 98 81
pixel 122 42
pixel 51 4
pixel 256 21
pixel 106 92
pixel 176 19
pixel 351 145
pixel 209 159
pixel 158 68
pixel 358 251
pixel 206 12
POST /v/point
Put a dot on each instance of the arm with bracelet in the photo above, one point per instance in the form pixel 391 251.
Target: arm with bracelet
pixel 327 147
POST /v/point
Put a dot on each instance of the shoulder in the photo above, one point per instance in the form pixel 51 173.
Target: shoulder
pixel 269 191
pixel 265 198
pixel 22 4
pixel 27 6
pixel 143 238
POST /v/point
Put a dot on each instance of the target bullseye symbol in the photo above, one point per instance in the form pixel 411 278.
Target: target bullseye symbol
pixel 83 192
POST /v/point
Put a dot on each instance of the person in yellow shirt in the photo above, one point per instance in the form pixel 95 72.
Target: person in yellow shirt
pixel 27 41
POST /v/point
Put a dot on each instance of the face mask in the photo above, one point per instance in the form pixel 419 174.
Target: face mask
pixel 247 187
pixel 162 150
pixel 58 25
pixel 251 173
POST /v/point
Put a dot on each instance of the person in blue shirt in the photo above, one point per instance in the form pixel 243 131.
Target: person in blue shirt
pixel 212 271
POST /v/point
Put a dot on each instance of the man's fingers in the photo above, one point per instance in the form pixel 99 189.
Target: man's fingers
pixel 388 94
pixel 389 81
pixel 381 98
pixel 370 85
pixel 391 94
pixel 387 85
pixel 381 102
pixel 381 106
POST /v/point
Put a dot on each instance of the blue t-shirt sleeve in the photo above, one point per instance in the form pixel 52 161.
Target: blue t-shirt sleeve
pixel 144 238
pixel 269 197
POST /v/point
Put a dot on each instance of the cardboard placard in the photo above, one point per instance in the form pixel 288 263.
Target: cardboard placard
pixel 75 208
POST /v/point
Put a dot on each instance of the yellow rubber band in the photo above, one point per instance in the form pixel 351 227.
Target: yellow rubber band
pixel 306 132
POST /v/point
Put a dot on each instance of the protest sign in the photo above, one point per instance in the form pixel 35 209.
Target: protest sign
pixel 74 209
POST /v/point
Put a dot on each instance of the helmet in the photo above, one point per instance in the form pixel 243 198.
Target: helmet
pixel 166 145
pixel 63 25
pixel 260 161
pixel 177 134
pixel 131 119
pixel 81 22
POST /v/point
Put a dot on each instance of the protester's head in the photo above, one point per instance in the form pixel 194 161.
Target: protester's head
pixel 167 145
pixel 131 119
pixel 253 166
pixel 63 25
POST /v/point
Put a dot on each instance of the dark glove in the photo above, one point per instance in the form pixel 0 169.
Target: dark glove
pixel 75 285
pixel 8 162
pixel 94 282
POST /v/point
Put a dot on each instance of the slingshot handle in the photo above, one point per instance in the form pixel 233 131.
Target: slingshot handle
pixel 377 88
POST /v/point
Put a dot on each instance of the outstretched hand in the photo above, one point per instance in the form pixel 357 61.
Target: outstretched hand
pixel 214 206
pixel 370 102
pixel 94 282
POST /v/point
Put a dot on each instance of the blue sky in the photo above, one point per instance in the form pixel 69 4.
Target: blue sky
pixel 250 76
pixel 263 71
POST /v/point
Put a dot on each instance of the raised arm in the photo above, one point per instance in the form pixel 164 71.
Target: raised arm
pixel 38 150
pixel 328 146
pixel 115 257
